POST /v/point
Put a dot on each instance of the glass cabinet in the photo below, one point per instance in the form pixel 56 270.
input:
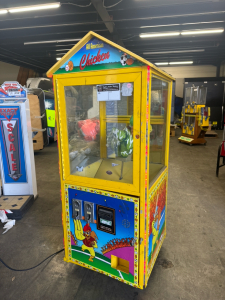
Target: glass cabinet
pixel 102 124
pixel 158 125
pixel 113 119
pixel 100 132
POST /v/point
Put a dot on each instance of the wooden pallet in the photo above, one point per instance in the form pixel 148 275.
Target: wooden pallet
pixel 17 204
pixel 211 134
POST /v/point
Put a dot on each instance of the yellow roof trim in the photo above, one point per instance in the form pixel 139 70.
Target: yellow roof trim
pixel 87 38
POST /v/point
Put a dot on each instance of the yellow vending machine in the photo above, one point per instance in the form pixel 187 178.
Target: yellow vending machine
pixel 113 116
pixel 195 116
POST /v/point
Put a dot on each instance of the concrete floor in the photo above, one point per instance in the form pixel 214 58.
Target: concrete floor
pixel 194 247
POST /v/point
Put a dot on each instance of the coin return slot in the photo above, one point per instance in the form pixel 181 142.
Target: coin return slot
pixel 89 212
pixel 77 209
pixel 120 264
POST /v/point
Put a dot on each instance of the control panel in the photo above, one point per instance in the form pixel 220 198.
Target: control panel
pixel 106 219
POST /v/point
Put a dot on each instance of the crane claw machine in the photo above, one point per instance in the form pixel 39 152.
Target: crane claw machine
pixel 113 116
pixel 195 116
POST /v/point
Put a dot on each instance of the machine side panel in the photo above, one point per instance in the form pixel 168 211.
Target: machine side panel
pixel 61 163
pixel 157 219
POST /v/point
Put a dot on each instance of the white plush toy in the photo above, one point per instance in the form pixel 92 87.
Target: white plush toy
pixel 4 219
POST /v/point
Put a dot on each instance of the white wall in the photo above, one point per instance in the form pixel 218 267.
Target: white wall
pixel 8 72
pixel 182 72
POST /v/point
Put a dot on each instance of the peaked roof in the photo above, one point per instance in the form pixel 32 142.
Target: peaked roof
pixel 85 40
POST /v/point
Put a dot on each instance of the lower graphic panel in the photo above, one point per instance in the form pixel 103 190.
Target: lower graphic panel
pixel 103 232
pixel 157 220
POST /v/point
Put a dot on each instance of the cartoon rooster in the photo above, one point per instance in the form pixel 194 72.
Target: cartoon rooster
pixel 88 237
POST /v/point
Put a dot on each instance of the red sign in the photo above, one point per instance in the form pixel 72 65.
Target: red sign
pixel 8 113
pixel 11 146
pixel 11 141
pixel 87 61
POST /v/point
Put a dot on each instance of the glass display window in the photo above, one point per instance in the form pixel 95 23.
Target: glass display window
pixel 202 95
pixel 100 128
pixel 188 95
pixel 158 122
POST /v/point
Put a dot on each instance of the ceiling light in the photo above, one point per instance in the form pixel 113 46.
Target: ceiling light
pixel 174 63
pixel 58 58
pixel 159 25
pixel 202 31
pixel 181 63
pixel 177 51
pixel 34 7
pixel 167 25
pixel 147 35
pixel 64 45
pixel 210 22
pixel 161 64
pixel 62 49
pixel 3 11
pixel 54 41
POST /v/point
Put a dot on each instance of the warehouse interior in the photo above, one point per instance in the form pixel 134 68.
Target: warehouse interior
pixel 183 41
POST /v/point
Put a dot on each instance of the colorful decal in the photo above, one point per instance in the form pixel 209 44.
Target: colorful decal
pixel 50 117
pixel 11 140
pixel 50 104
pixel 157 218
pixel 51 132
pixel 12 90
pixel 87 236
pixel 50 114
pixel 93 248
pixel 186 139
pixel 97 55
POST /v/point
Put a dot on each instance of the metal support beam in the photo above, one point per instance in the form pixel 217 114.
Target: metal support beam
pixel 103 13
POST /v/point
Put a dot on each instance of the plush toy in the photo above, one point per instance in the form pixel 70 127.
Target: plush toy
pixel 121 141
pixel 89 128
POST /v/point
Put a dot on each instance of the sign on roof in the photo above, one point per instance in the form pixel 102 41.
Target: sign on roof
pixel 12 90
pixel 98 55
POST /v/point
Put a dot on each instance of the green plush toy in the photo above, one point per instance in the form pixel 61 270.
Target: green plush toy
pixel 121 141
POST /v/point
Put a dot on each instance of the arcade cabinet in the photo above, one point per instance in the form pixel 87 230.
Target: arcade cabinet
pixel 113 115
pixel 195 116
pixel 17 166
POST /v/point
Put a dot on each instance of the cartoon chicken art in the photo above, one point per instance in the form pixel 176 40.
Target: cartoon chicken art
pixel 155 225
pixel 88 237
